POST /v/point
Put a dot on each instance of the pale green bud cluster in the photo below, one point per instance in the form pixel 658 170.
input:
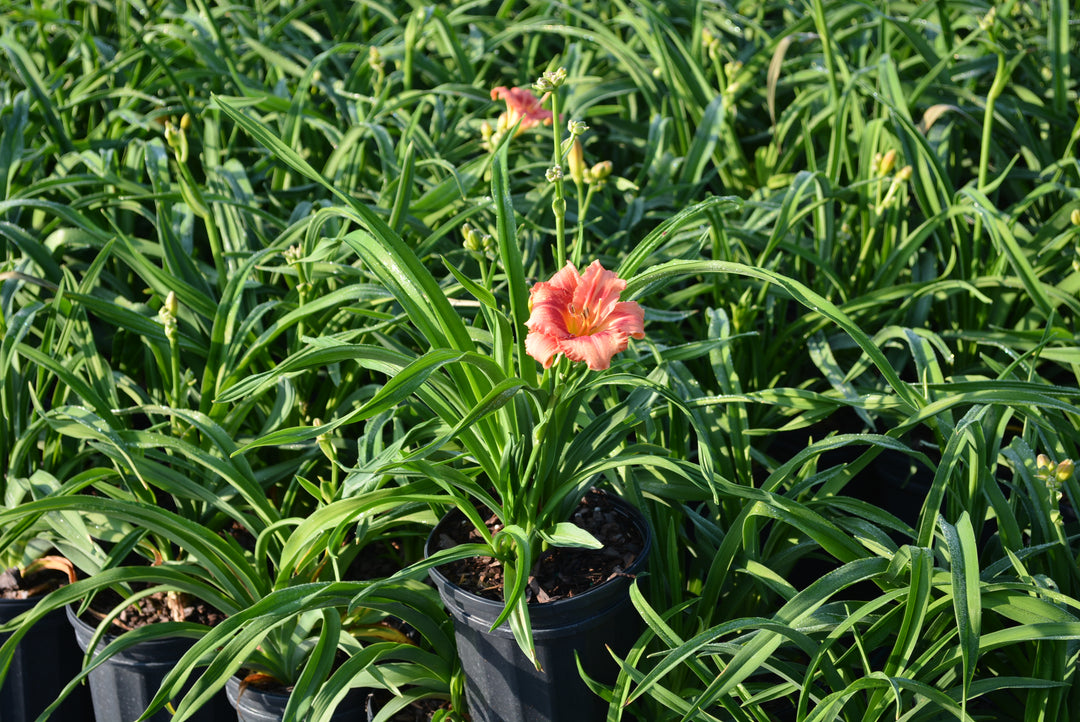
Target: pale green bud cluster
pixel 1053 473
pixel 477 242
pixel 550 80
pixel 167 316
pixel 176 138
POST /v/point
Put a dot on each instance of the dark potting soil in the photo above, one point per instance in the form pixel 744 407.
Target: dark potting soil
pixel 13 585
pixel 157 607
pixel 560 572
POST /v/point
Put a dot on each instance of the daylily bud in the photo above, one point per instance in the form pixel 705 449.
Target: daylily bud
pixel 167 316
pixel 554 173
pixel 550 80
pixel 599 172
pixel 185 121
pixel 575 159
pixel 904 173
pixel 177 140
pixel 576 127
pixel 887 162
pixel 473 241
pixel 1075 217
pixel 732 69
pixel 1054 474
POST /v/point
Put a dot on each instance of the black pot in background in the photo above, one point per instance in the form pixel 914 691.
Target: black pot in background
pixel 502 685
pixel 123 686
pixel 45 660
pixel 257 705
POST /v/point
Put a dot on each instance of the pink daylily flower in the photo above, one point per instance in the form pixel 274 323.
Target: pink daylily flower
pixel 581 317
pixel 521 104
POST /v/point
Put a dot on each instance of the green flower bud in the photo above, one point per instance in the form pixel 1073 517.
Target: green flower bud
pixel 176 139
pixel 599 172
pixel 888 161
pixel 550 80
pixel 474 243
pixel 167 316
pixel 1065 469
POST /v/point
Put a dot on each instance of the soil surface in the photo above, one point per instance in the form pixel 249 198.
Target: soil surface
pixel 158 607
pixel 13 585
pixel 560 572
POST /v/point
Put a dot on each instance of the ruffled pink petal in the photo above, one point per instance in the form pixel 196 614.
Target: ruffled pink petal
pixel 627 317
pixel 542 347
pixel 549 317
pixel 597 292
pixel 581 317
pixel 566 280
pixel 595 350
pixel 521 103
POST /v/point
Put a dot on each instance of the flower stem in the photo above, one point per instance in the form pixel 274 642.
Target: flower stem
pixel 558 206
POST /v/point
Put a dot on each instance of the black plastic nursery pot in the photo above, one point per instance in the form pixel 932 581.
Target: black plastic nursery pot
pixel 123 686
pixel 502 685
pixel 258 705
pixel 45 660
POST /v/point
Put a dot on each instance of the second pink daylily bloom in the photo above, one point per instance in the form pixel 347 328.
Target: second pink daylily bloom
pixel 581 317
pixel 521 104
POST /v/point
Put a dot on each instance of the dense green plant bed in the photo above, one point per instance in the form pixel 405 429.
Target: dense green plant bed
pixel 271 290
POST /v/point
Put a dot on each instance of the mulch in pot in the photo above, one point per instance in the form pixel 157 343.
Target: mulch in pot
pixel 561 572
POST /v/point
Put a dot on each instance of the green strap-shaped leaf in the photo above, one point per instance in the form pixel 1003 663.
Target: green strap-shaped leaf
pixel 667 272
pixel 967 604
pixel 396 390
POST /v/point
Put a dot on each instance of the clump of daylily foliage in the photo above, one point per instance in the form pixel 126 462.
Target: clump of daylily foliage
pixel 279 290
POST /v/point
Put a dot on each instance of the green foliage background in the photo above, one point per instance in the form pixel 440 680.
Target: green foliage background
pixel 855 228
